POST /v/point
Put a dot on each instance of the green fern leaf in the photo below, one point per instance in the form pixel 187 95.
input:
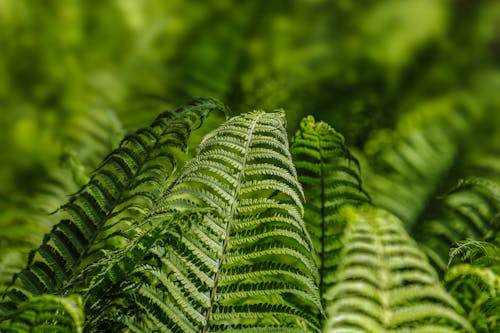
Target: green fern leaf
pixel 385 284
pixel 46 313
pixel 410 162
pixel 331 179
pixel 249 266
pixel 117 270
pixel 116 189
pixel 473 272
pixel 471 212
pixel 476 285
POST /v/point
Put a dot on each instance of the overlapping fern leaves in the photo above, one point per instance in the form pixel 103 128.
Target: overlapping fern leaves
pixel 111 299
pixel 224 247
pixel 129 180
pixel 471 212
pixel 384 282
pixel 46 313
pixel 410 162
pixel 249 265
pixel 331 179
pixel 471 229
pixel 474 280
pixel 25 220
pixel 367 284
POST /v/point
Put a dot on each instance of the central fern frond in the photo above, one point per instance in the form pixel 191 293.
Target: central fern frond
pixel 331 179
pixel 250 266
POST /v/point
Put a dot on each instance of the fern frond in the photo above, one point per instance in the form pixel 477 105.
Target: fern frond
pixel 331 179
pixel 249 266
pixel 473 271
pixel 476 286
pixel 385 284
pixel 472 250
pixel 471 212
pixel 31 216
pixel 141 164
pixel 410 162
pixel 487 276
pixel 121 269
pixel 45 313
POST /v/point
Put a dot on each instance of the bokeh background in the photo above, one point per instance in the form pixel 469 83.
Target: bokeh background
pixel 76 75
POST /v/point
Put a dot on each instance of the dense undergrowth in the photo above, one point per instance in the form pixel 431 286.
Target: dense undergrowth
pixel 125 208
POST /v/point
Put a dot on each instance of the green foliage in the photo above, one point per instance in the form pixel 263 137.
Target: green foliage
pixel 471 212
pixel 473 271
pixel 46 313
pixel 410 161
pixel 331 179
pixel 130 179
pixel 475 283
pixel 110 299
pixel 238 231
pixel 385 284
pixel 249 267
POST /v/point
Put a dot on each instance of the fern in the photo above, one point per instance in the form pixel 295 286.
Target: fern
pixel 246 267
pixel 471 212
pixel 331 179
pixel 130 179
pixel 473 271
pixel 86 142
pixel 476 285
pixel 385 284
pixel 113 277
pixel 45 313
pixel 410 162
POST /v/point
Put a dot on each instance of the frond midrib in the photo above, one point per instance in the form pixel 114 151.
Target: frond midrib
pixel 229 217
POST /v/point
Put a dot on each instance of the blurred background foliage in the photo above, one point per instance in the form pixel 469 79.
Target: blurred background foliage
pixel 76 75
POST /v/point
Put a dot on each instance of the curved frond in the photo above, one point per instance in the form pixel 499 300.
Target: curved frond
pixel 331 179
pixel 45 313
pixel 89 138
pixel 473 271
pixel 410 162
pixel 476 285
pixel 128 181
pixel 249 266
pixel 385 284
pixel 471 212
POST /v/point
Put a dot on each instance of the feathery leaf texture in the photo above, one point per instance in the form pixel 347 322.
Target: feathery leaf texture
pixel 248 267
pixel 472 211
pixel 476 285
pixel 331 179
pixel 410 164
pixel 123 269
pixel 129 179
pixel 89 139
pixel 473 272
pixel 46 313
pixel 384 282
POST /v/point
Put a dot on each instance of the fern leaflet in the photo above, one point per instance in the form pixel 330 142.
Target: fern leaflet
pixel 47 313
pixel 471 212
